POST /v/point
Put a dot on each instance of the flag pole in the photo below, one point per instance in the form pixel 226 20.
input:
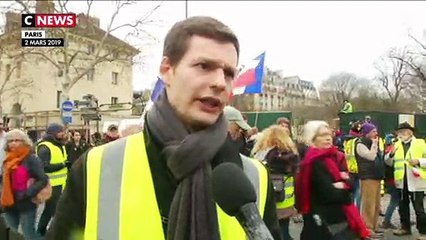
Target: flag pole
pixel 186 9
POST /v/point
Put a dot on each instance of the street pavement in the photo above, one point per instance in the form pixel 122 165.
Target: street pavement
pixel 296 228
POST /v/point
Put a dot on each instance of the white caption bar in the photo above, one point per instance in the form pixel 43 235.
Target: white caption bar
pixel 28 34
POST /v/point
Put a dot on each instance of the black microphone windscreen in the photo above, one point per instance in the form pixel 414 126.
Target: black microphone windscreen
pixel 231 188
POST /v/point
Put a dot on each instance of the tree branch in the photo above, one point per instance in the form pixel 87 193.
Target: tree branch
pixel 45 57
pixel 23 5
pixel 417 41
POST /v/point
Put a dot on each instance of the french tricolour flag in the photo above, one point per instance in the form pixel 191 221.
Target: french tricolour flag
pixel 249 81
pixel 158 88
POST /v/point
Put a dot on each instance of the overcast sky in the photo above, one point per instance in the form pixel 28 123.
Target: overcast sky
pixel 309 39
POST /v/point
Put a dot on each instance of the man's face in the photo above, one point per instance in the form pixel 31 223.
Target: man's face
pixel 77 137
pixel 61 135
pixel 404 134
pixel 113 133
pixel 373 134
pixel 198 87
pixel 285 125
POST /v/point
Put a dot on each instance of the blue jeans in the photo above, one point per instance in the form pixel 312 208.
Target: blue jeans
pixel 26 219
pixel 357 191
pixel 394 202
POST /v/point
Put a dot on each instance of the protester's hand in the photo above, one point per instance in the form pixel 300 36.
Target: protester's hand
pixel 339 185
pixel 375 141
pixel 344 175
pixel 414 162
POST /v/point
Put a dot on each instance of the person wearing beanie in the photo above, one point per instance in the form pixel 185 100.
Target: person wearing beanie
pixel 52 152
pixel 370 161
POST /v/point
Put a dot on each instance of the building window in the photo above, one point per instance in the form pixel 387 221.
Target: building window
pixel 115 54
pixel 18 69
pixel 115 78
pixel 91 49
pixel 58 98
pixel 114 100
pixel 91 74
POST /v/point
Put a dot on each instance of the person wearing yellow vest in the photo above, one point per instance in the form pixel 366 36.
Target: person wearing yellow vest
pixel 349 146
pixel 347 107
pixel 157 184
pixel 278 151
pixel 51 151
pixel 409 161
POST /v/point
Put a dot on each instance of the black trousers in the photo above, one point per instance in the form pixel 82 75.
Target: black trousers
pixel 49 210
pixel 404 209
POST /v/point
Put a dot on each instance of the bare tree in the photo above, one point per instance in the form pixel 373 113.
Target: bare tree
pixel 74 63
pixel 394 74
pixel 339 87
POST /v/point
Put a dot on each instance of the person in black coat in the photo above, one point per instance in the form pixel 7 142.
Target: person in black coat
pixel 323 193
pixel 76 147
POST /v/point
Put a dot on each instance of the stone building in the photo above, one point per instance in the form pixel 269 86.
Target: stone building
pixel 32 78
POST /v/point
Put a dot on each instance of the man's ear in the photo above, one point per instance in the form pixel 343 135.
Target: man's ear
pixel 166 70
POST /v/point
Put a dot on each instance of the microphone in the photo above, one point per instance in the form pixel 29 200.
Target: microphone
pixel 235 194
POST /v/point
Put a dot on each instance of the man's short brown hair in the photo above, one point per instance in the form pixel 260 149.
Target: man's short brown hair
pixel 282 120
pixel 176 42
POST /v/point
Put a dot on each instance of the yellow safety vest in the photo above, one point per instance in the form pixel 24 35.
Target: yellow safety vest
pixel 347 108
pixel 121 200
pixel 415 151
pixel 289 193
pixel 57 156
pixel 382 148
pixel 350 155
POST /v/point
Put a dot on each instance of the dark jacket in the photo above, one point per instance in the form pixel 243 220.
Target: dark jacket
pixel 301 148
pixel 367 168
pixel 44 155
pixel 35 170
pixel 327 201
pixel 71 211
pixel 74 151
pixel 281 162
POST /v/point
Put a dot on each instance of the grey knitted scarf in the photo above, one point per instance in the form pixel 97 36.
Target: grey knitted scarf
pixel 189 154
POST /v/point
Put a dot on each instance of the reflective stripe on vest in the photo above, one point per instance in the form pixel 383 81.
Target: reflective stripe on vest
pixel 382 187
pixel 350 155
pixel 289 194
pixel 57 156
pixel 415 151
pixel 121 200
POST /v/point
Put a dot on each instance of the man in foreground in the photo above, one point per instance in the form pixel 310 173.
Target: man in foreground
pixel 157 184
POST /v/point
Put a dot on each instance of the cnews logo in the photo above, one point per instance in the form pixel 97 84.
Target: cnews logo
pixel 68 20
